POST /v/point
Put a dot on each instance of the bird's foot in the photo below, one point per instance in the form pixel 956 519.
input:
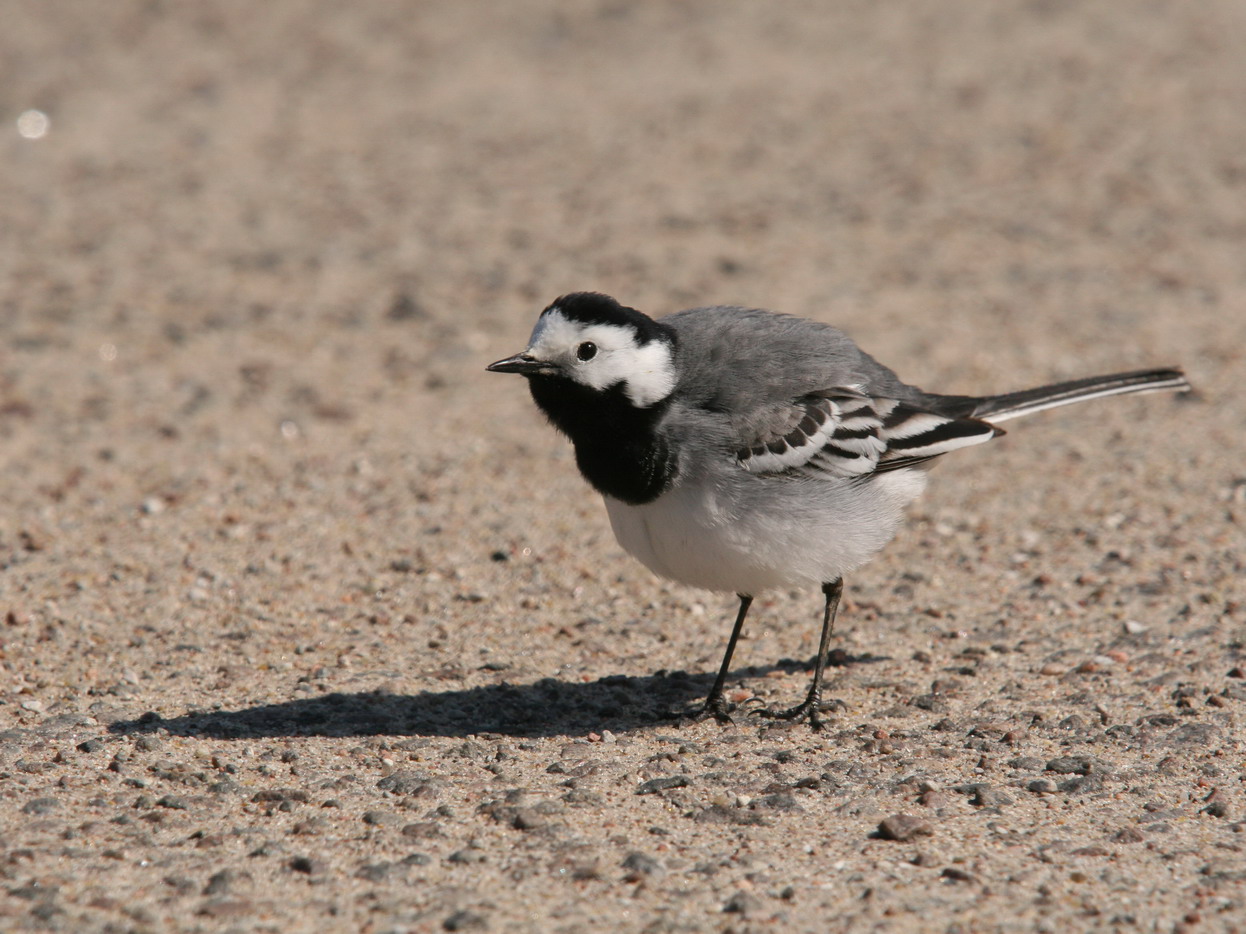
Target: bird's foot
pixel 810 709
pixel 716 707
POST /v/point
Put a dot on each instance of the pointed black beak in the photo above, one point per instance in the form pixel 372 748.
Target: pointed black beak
pixel 522 363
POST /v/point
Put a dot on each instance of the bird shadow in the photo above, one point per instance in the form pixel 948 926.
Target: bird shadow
pixel 548 707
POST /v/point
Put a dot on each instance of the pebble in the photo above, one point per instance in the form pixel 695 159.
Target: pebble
pixel 404 782
pixel 422 829
pixel 226 907
pixel 744 904
pixel 309 865
pixel 904 827
pixel 224 881
pixel 374 872
pixel 528 819
pixel 991 798
pixel 639 865
pixel 1078 765
pixel 464 921
pixel 654 785
pixel 1026 763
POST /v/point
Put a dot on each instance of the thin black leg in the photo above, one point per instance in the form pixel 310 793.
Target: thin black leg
pixel 809 707
pixel 715 706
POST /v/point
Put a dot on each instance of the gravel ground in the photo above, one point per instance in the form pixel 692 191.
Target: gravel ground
pixel 308 624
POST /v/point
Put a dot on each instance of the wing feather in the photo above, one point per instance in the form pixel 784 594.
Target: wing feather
pixel 841 433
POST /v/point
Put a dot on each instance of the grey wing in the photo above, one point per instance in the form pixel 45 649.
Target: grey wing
pixel 842 432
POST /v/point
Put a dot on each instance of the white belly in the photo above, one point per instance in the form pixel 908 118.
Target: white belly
pixel 750 534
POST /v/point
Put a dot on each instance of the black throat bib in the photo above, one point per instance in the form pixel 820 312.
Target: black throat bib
pixel 617 447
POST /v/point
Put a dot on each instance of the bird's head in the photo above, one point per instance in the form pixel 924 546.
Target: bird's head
pixel 597 344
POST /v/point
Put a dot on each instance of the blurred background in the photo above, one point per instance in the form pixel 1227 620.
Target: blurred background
pixel 254 258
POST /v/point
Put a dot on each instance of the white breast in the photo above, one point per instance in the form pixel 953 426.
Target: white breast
pixel 745 534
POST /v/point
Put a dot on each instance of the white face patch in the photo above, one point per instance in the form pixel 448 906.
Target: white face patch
pixel 647 371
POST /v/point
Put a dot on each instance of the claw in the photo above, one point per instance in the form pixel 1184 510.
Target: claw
pixel 809 710
pixel 717 708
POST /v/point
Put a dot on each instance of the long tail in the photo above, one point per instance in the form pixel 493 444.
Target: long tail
pixel 1014 404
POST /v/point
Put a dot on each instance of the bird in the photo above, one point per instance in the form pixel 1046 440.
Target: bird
pixel 741 450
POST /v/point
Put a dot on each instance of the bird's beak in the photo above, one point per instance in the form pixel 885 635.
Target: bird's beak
pixel 522 363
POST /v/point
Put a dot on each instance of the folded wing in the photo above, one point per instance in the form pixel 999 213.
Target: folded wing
pixel 844 433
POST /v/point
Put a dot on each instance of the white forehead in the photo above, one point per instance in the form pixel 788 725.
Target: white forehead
pixel 646 371
pixel 555 332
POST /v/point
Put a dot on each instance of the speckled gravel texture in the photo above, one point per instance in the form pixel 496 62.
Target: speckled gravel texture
pixel 307 623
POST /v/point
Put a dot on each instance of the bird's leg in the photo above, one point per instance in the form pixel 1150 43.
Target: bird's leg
pixel 715 705
pixel 809 707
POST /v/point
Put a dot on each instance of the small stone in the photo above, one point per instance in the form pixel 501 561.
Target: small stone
pixel 991 798
pixel 374 872
pixel 309 865
pixel 904 827
pixel 1026 763
pixel 422 829
pixel 90 745
pixel 405 308
pixel 40 806
pixel 528 819
pixel 381 818
pixel 1092 850
pixel 1192 734
pixel 722 814
pixel 226 907
pixel 404 782
pixel 655 785
pixel 1128 835
pixel 1081 784
pixel 780 801
pixel 743 904
pixel 280 795
pixel 224 881
pixel 1078 765
pixel 639 865
pixel 464 921
pixel 1042 786
pixel 956 875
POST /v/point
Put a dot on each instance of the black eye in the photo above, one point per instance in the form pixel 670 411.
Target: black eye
pixel 586 351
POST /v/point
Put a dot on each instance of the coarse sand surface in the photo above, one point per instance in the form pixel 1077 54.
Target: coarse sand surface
pixel 308 623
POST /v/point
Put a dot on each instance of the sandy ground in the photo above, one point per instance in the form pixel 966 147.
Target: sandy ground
pixel 308 624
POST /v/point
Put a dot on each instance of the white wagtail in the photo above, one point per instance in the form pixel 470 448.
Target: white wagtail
pixel 739 450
